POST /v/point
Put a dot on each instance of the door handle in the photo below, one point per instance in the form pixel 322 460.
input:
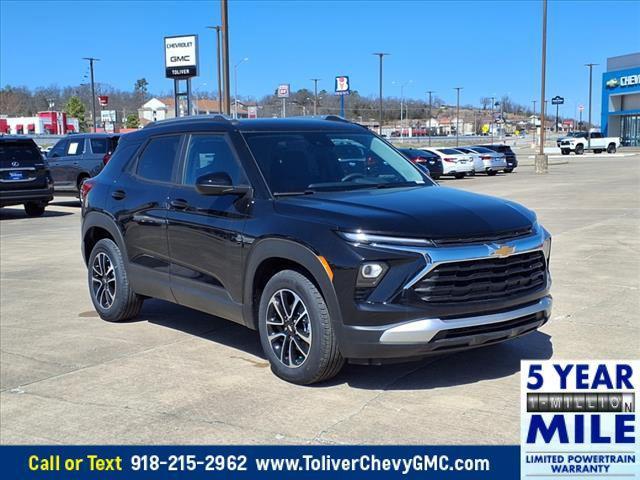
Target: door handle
pixel 118 194
pixel 179 204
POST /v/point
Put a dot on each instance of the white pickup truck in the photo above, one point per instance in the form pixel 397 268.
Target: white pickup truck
pixel 578 142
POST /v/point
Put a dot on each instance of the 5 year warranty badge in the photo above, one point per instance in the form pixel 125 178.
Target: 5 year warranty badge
pixel 578 419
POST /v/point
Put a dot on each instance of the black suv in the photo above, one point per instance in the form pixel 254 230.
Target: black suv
pixel 24 176
pixel 510 156
pixel 260 222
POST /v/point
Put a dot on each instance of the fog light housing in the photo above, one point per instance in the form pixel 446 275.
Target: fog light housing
pixel 371 273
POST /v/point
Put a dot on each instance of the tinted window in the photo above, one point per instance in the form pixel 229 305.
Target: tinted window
pixel 99 145
pixel 158 159
pixel 209 154
pixel 295 162
pixel 596 135
pixel 25 153
pixel 59 149
pixel 450 151
pixel 75 147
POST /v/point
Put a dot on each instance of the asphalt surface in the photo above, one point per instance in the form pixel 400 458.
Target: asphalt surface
pixel 175 375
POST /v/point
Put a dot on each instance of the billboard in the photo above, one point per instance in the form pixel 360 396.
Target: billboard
pixel 181 56
pixel 342 85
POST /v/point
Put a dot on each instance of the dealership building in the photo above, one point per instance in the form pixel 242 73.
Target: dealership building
pixel 621 99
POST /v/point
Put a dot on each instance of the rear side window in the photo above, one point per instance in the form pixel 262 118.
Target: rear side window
pixel 25 153
pixel 99 145
pixel 159 158
pixel 59 149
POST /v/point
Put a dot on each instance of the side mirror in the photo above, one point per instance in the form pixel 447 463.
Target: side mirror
pixel 219 183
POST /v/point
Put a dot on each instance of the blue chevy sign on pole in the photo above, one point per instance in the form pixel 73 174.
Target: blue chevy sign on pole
pixel 342 88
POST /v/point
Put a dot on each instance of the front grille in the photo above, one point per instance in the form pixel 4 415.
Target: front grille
pixel 498 237
pixel 481 280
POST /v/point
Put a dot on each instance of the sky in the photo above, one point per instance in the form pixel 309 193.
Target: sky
pixel 490 48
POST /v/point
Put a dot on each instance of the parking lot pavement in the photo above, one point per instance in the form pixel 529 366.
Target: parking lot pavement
pixel 178 376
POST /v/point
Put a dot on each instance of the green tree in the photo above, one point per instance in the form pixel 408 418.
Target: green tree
pixel 132 121
pixel 75 108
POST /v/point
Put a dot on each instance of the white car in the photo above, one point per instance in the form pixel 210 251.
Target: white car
pixel 454 162
pixel 486 160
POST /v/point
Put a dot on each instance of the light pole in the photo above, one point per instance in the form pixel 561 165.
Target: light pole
pixel 457 89
pixel 235 87
pixel 93 92
pixel 315 95
pixel 380 55
pixel 402 85
pixel 590 65
pixel 541 160
pixel 493 99
pixel 430 106
pixel 217 29
pixel 224 15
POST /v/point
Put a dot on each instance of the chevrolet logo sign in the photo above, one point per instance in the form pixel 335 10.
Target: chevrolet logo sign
pixel 503 251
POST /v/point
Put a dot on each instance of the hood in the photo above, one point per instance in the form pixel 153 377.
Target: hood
pixel 424 212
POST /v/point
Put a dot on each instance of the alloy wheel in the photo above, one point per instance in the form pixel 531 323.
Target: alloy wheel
pixel 289 328
pixel 103 280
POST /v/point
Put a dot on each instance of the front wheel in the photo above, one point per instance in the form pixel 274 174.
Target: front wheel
pixel 508 170
pixel 611 148
pixel 491 173
pixel 111 294
pixel 565 151
pixel 34 209
pixel 459 175
pixel 296 332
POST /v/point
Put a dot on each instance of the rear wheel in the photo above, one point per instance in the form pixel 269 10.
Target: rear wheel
pixel 459 175
pixel 111 294
pixel 34 209
pixel 508 170
pixel 611 148
pixel 565 151
pixel 579 149
pixel 296 332
pixel 491 173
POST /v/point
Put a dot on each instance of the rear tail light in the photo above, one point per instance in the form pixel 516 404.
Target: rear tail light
pixel 106 158
pixel 85 188
pixel 486 157
pixel 449 159
pixel 420 160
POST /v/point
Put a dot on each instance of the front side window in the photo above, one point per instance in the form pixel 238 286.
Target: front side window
pixel 211 154
pixel 75 147
pixel 303 162
pixel 159 158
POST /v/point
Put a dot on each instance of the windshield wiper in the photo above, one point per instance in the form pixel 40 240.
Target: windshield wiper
pixel 398 185
pixel 291 194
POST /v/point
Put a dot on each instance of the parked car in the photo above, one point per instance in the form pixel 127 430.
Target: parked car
pixel 24 176
pixel 454 162
pixel 425 159
pixel 77 157
pixel 592 140
pixel 510 156
pixel 255 221
pixel 486 160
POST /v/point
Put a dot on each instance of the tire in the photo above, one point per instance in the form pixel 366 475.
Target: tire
pixel 579 149
pixel 435 176
pixel 34 209
pixel 287 356
pixel 597 151
pixel 611 148
pixel 123 303
pixel 508 170
pixel 565 151
pixel 459 175
pixel 491 173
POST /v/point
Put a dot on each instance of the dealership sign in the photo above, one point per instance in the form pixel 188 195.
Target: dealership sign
pixel 557 100
pixel 342 85
pixel 104 100
pixel 181 56
pixel 626 81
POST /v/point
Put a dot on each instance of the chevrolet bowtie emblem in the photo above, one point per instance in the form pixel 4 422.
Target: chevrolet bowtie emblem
pixel 503 251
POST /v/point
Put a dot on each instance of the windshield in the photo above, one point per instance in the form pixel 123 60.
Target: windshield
pixel 306 162
pixel 450 151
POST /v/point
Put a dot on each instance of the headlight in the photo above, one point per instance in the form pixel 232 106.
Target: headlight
pixel 366 238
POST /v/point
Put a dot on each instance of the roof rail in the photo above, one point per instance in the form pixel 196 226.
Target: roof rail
pixel 331 118
pixel 169 121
